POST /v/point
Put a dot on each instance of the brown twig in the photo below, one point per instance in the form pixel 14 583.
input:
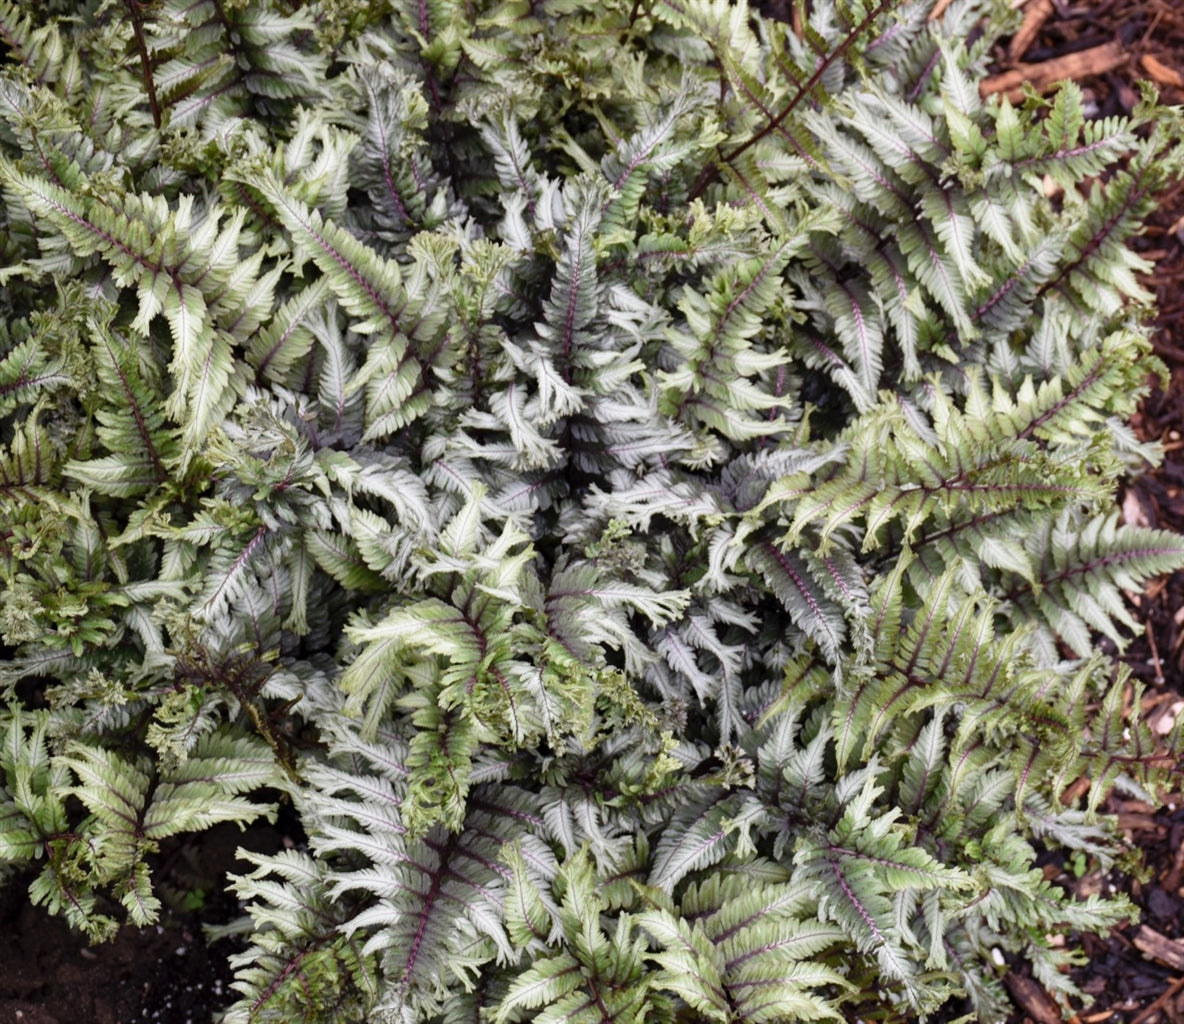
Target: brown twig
pixel 1160 1001
pixel 939 9
pixel 1042 77
pixel 1161 72
pixel 1034 18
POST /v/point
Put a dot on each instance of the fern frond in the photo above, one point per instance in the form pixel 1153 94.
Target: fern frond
pixel 297 949
pixel 1081 568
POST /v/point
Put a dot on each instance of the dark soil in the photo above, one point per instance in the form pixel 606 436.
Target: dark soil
pixel 163 974
pixel 166 974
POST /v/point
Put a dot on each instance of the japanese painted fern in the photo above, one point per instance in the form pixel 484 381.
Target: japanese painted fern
pixel 637 479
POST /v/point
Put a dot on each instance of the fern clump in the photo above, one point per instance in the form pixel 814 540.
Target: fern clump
pixel 636 479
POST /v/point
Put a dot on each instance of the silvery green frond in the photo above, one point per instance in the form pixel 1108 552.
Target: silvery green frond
pixel 637 478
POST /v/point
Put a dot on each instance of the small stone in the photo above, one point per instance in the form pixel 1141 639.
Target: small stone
pixel 1161 904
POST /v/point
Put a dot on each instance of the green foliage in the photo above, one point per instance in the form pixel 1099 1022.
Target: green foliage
pixel 637 480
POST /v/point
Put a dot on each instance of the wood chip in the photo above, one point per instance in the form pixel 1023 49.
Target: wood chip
pixel 1076 791
pixel 1159 947
pixel 1164 721
pixel 939 9
pixel 1031 997
pixel 1034 18
pixel 1138 822
pixel 1161 73
pixel 1043 77
pixel 1136 509
pixel 1135 806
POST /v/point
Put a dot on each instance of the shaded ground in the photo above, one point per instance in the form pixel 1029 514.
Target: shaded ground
pixel 49 975
pixel 164 974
